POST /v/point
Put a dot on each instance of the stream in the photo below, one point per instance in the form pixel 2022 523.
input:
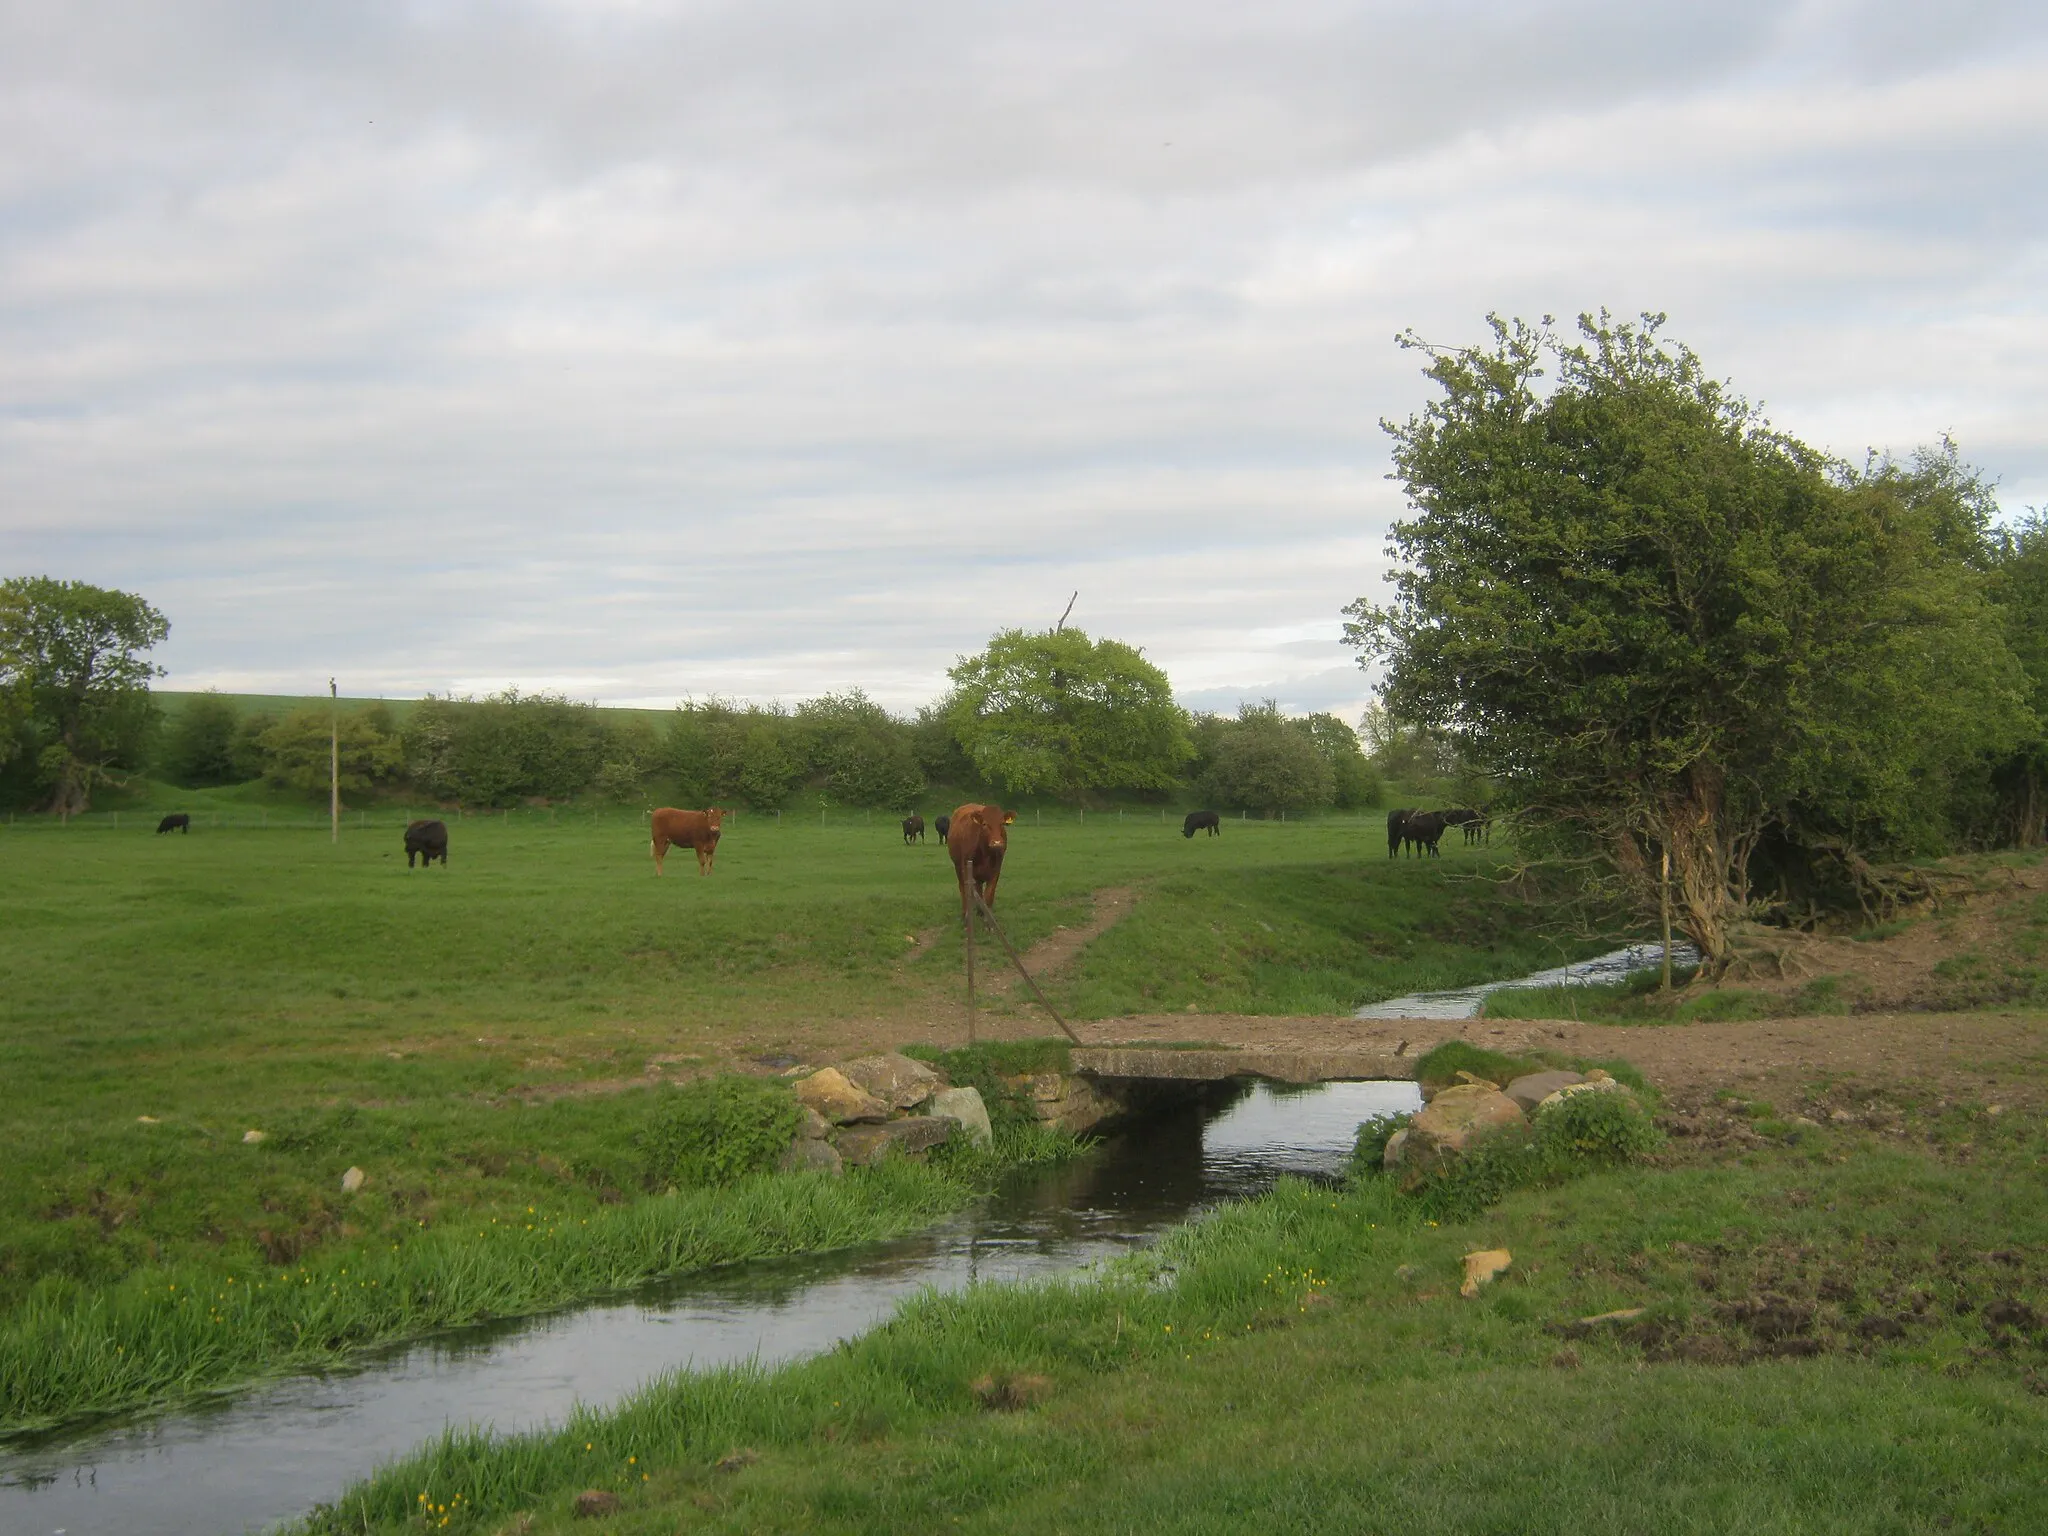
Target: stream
pixel 257 1457
pixel 1466 1002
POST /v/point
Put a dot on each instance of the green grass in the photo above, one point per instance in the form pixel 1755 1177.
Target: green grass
pixel 1638 999
pixel 481 1038
pixel 169 1331
pixel 1836 1334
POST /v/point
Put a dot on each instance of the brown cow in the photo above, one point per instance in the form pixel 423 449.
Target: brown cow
pixel 977 839
pixel 687 829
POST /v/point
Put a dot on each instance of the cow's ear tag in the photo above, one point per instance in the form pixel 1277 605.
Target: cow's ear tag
pixel 1008 817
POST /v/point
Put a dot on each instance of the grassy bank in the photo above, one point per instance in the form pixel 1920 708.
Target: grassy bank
pixel 1837 1334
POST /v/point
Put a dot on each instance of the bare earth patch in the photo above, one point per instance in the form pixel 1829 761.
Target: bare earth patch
pixel 1060 948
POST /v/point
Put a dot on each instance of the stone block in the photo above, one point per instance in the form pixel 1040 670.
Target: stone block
pixel 1449 1124
pixel 896 1080
pixel 862 1145
pixel 1530 1090
pixel 838 1100
pixel 965 1106
pixel 1590 1085
pixel 808 1155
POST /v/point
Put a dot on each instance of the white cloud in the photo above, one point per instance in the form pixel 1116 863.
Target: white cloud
pixel 643 349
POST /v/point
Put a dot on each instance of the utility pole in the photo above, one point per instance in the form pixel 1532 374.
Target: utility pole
pixel 333 762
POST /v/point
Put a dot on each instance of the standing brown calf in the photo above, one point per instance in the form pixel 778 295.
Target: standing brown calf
pixel 977 838
pixel 686 829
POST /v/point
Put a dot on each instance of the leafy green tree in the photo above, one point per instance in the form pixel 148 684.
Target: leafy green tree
pixel 509 746
pixel 1662 627
pixel 1266 762
pixel 1414 755
pixel 296 750
pixel 763 772
pixel 1355 785
pixel 631 755
pixel 937 751
pixel 428 744
pixel 854 748
pixel 2019 585
pixel 247 753
pixel 691 751
pixel 199 749
pixel 74 681
pixel 1056 712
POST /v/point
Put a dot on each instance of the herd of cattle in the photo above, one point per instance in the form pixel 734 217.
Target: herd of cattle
pixel 974 835
pixel 1423 830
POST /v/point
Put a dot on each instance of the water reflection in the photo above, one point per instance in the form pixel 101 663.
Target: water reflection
pixel 263 1456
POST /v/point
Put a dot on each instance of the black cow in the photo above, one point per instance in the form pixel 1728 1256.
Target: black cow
pixel 1197 820
pixel 428 840
pixel 1473 822
pixel 913 829
pixel 1396 820
pixel 1424 829
pixel 178 823
pixel 942 826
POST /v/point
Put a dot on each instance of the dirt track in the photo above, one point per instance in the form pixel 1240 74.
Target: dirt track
pixel 1912 1017
pixel 1987 1057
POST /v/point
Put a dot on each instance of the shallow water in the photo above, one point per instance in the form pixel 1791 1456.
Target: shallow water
pixel 266 1455
pixel 1465 1002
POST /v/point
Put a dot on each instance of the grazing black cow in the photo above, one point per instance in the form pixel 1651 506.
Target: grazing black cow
pixel 1197 820
pixel 913 829
pixel 178 823
pixel 942 826
pixel 1424 829
pixel 1396 820
pixel 427 839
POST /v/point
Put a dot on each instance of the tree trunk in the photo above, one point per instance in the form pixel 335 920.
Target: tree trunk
pixel 1703 860
pixel 73 794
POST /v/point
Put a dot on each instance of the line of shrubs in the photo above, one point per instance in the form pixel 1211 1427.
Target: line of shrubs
pixel 512 748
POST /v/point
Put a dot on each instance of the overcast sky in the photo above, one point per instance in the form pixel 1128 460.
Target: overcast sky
pixel 643 350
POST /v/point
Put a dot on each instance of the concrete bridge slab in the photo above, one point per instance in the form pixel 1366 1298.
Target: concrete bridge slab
pixel 1212 1066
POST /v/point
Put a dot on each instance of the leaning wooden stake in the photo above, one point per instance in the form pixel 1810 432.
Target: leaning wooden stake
pixel 967 918
pixel 988 913
pixel 1664 890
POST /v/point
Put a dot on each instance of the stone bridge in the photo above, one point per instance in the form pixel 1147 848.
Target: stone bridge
pixel 1112 1064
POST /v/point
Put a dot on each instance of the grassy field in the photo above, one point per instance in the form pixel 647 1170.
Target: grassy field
pixel 1837 1333
pixel 488 1037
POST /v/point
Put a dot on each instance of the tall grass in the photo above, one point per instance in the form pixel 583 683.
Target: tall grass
pixel 172 1331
